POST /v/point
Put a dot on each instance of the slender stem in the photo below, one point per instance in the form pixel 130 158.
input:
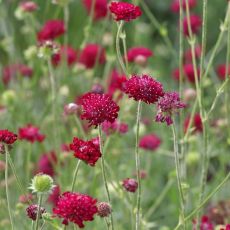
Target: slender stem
pixel 75 175
pixel 137 158
pixel 104 173
pixel 38 211
pixel 119 57
pixel 79 125
pixel 179 183
pixel 7 189
pixel 123 38
pixel 28 158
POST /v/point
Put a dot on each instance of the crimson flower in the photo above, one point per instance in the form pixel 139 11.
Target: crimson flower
pixel 54 196
pixel 98 108
pixel 175 6
pixel 143 88
pixel 189 73
pixel 100 8
pixel 28 6
pixel 7 137
pixel 91 54
pixel 30 133
pixel 116 126
pixel 51 30
pixel 76 208
pixel 196 123
pixel 124 11
pixel 205 224
pixel 88 151
pixel 150 142
pixel 188 53
pixel 130 184
pixel 136 53
pixel 195 22
pixel 32 211
pixel 221 71
pixel 168 105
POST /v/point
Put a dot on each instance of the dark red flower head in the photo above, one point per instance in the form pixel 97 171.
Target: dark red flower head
pixel 205 224
pixel 188 54
pixel 168 105
pixel 30 133
pixel 196 124
pixel 54 196
pixel 143 88
pixel 66 52
pixel 87 151
pixel 190 73
pixel 91 54
pixel 136 53
pixel 150 142
pixel 32 211
pixel 98 108
pixel 221 71
pixel 76 208
pixel 124 11
pixel 109 128
pixel 51 30
pixel 196 23
pixel 7 137
pixel 104 209
pixel 28 6
pixel 100 8
pixel 175 6
pixel 130 184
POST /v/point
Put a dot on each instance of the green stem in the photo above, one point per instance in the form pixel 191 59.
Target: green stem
pixel 137 158
pixel 7 189
pixel 104 173
pixel 119 57
pixel 28 158
pixel 75 175
pixel 79 125
pixel 178 175
pixel 38 211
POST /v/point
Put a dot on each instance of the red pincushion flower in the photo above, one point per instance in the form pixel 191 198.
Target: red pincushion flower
pixel 196 23
pixel 7 137
pixel 100 8
pixel 98 108
pixel 88 151
pixel 205 224
pixel 175 6
pixel 188 54
pixel 28 6
pixel 65 51
pixel 91 54
pixel 168 105
pixel 54 196
pixel 76 208
pixel 190 73
pixel 30 133
pixel 124 11
pixel 150 142
pixel 221 71
pixel 197 123
pixel 32 211
pixel 46 163
pixel 130 184
pixel 136 52
pixel 227 227
pixel 51 30
pixel 143 88
pixel 109 128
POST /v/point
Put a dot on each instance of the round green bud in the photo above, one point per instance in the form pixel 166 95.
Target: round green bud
pixel 192 158
pixel 8 97
pixel 42 184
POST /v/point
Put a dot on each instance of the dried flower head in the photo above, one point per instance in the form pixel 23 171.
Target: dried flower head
pixel 32 211
pixel 104 209
pixel 130 185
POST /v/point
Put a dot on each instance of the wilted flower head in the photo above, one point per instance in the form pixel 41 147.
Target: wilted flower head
pixel 196 123
pixel 222 71
pixel 87 151
pixel 150 142
pixel 100 8
pixel 124 11
pixel 143 88
pixel 104 209
pixel 91 54
pixel 30 133
pixel 32 211
pixel 195 22
pixel 130 184
pixel 98 108
pixel 175 6
pixel 137 54
pixel 51 30
pixel 7 137
pixel 168 105
pixel 76 208
pixel 28 6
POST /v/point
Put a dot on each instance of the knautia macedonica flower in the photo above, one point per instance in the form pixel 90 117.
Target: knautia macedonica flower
pixel 98 108
pixel 168 105
pixel 143 88
pixel 30 133
pixel 222 70
pixel 124 11
pixel 196 124
pixel 175 6
pixel 28 6
pixel 104 209
pixel 26 198
pixel 195 22
pixel 42 184
pixel 76 208
pixel 130 185
pixel 88 151
pixel 110 128
pixel 32 211
pixel 205 224
pixel 7 137
pixel 54 196
pixel 150 142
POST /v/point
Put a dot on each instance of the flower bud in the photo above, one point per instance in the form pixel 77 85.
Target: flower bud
pixel 32 211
